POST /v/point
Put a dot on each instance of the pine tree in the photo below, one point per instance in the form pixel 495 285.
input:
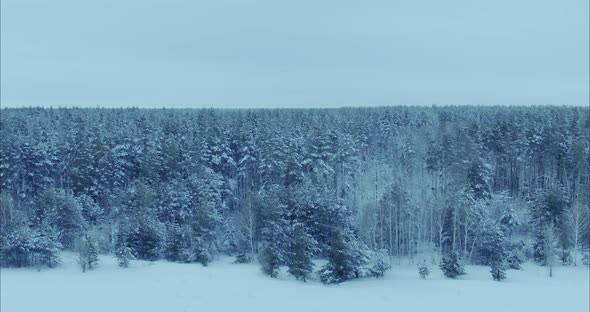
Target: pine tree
pixel 515 255
pixel 270 260
pixel 423 270
pixel 201 252
pixel 548 217
pixel 45 248
pixel 379 263
pixel 88 253
pixel 178 244
pixel 492 246
pixel 123 252
pixel 451 265
pixel 272 231
pixel 301 250
pixel 59 210
pixel 92 253
pixel 498 270
pixel 549 248
pixel 347 257
pixel 25 247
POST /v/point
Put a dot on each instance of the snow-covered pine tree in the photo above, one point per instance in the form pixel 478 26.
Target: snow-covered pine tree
pixel 347 258
pixel 515 255
pixel 302 247
pixel 44 248
pixel 550 247
pixel 24 247
pixel 92 252
pixel 88 253
pixel 144 232
pixel 451 265
pixel 493 246
pixel 178 245
pixel 423 270
pixel 60 211
pixel 498 270
pixel 122 250
pixel 273 230
pixel 91 212
pixel 273 253
pixel 548 219
pixel 201 251
pixel 270 260
pixel 379 263
pixel 206 216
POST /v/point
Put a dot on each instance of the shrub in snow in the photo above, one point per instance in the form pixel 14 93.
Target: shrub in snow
pixel 423 270
pixel 451 265
pixel 243 258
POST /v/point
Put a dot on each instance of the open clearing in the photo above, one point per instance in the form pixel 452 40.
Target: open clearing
pixel 222 286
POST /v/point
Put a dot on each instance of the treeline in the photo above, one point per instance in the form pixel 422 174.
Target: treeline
pixel 355 186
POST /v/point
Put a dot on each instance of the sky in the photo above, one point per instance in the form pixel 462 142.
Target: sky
pixel 304 53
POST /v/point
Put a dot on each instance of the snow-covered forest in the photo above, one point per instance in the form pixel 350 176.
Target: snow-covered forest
pixel 356 188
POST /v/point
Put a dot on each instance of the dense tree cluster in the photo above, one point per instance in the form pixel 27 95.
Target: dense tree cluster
pixel 355 186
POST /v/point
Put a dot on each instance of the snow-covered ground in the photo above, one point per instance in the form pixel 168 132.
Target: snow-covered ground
pixel 165 286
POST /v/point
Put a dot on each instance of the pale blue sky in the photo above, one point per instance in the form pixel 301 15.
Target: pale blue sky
pixel 303 53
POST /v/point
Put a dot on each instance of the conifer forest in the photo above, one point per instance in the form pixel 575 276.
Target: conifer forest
pixel 356 188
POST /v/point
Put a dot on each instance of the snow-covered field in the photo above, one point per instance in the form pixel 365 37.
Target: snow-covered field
pixel 164 286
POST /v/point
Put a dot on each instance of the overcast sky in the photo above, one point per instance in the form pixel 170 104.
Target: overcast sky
pixel 304 53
